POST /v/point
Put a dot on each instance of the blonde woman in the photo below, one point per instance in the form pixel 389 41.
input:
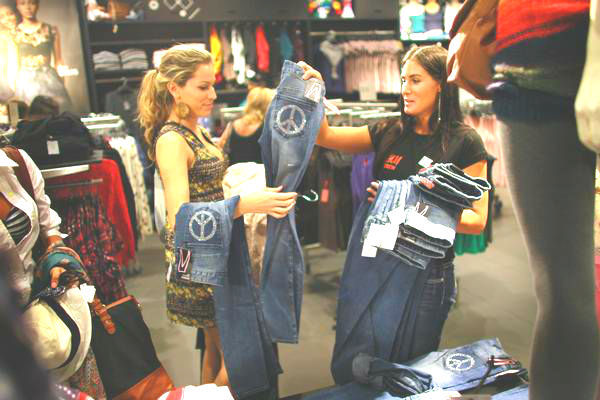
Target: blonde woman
pixel 191 168
pixel 240 138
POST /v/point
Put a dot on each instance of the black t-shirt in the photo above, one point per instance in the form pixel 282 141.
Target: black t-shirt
pixel 464 148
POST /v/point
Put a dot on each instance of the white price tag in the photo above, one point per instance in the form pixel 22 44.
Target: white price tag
pixel 389 237
pixel 425 162
pixel 397 216
pixel 369 251
pixel 88 292
pixel 53 147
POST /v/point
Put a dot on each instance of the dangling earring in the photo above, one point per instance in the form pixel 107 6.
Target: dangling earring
pixel 439 116
pixel 182 110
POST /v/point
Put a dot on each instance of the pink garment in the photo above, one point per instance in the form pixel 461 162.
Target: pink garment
pixel 228 72
pixel 372 62
pixel 488 128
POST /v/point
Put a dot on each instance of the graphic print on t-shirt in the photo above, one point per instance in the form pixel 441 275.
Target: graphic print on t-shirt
pixel 392 161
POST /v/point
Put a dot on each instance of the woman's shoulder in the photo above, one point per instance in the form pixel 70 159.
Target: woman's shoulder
pixel 462 130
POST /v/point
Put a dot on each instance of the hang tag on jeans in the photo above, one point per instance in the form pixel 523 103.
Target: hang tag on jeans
pixel 397 216
pixel 389 236
pixel 369 251
pixel 425 162
pixel 183 270
pixel 313 89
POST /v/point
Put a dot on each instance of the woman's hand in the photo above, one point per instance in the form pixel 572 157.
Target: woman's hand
pixel 55 274
pixel 309 72
pixel 268 201
pixel 372 191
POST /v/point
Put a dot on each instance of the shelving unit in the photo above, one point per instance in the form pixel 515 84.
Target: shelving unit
pixel 163 28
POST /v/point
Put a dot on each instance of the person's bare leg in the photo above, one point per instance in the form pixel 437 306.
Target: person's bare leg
pixel 211 364
pixel 551 179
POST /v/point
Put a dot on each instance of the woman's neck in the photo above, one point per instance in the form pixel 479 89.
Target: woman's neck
pixel 30 22
pixel 189 122
pixel 422 126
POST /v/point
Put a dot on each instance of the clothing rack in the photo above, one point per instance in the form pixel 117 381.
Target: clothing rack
pixel 63 171
pixel 74 184
pixel 356 33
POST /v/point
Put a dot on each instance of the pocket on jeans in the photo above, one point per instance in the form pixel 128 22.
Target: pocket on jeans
pixel 290 116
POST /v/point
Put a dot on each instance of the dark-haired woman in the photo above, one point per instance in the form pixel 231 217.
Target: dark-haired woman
pixel 431 128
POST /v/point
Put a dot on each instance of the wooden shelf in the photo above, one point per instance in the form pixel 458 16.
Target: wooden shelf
pixel 144 42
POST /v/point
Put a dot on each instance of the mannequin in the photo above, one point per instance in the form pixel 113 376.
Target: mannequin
pixel 433 18
pixel 412 19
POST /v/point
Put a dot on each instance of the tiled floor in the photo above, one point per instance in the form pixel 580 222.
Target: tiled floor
pixel 495 300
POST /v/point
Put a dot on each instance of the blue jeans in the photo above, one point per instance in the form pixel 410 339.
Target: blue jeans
pixel 372 302
pixel 244 337
pixel 462 368
pixel 288 137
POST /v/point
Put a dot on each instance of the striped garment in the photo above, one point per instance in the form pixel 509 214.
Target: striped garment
pixel 540 51
pixel 17 224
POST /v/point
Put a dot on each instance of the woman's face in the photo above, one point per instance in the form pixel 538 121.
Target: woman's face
pixel 198 92
pixel 8 18
pixel 419 90
pixel 27 8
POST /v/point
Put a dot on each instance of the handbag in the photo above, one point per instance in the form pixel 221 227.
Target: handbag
pixel 58 139
pixel 472 46
pixel 125 354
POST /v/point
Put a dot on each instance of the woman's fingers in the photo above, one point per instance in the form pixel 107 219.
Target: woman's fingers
pixel 274 189
pixel 309 72
pixel 55 274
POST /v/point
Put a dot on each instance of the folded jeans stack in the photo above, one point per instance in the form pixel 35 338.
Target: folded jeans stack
pixel 415 219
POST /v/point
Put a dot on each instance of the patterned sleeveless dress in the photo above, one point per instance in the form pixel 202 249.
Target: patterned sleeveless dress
pixel 191 303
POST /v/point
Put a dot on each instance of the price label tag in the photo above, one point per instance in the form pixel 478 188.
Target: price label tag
pixel 425 162
pixel 53 147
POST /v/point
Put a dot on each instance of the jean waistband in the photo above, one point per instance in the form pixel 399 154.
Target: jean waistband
pixel 291 68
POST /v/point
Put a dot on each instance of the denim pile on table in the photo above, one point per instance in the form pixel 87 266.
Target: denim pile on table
pixel 415 219
pixel 425 378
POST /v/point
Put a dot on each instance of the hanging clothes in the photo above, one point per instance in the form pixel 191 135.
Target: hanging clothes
pixel 262 49
pixel 228 72
pixel 128 151
pixel 286 46
pixel 298 43
pixel 238 52
pixel 217 53
pixel 275 55
pixel 250 45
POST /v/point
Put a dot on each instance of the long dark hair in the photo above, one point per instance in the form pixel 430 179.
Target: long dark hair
pixel 433 60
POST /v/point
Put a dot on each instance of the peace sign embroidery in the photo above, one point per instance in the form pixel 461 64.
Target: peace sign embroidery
pixel 203 226
pixel 291 120
pixel 460 362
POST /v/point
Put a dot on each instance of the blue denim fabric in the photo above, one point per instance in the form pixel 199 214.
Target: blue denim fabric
pixel 251 363
pixel 518 393
pixel 456 174
pixel 288 137
pixel 437 297
pixel 462 368
pixel 205 230
pixel 372 302
pixel 428 218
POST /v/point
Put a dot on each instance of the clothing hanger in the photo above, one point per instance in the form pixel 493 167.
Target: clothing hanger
pixel 124 86
pixel 75 184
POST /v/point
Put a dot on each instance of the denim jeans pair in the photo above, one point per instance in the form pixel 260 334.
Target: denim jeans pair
pixel 377 297
pixel 357 391
pixel 452 185
pixel 211 248
pixel 289 134
pixel 464 367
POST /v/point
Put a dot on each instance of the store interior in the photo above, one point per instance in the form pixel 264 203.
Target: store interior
pixel 72 98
